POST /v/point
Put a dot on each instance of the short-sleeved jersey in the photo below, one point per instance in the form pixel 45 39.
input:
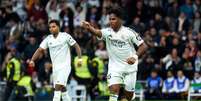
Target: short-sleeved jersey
pixel 120 46
pixel 59 49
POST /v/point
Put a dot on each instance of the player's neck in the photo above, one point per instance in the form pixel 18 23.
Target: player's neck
pixel 117 28
pixel 55 35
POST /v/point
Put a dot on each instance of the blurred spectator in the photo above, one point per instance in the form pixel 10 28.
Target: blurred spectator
pixel 30 47
pixel 91 46
pixel 182 85
pixel 80 37
pixel 101 51
pixel 79 13
pixel 53 10
pixel 95 3
pixel 92 15
pixel 154 84
pixel 169 86
pixel 35 80
pixel 25 88
pixel 173 10
pixel 193 48
pixel 187 8
pixel 196 80
pixel 13 73
pixel 66 18
pixel 197 5
pixel 158 23
pixel 169 24
pixel 137 25
pixel 141 11
pixel 46 74
pixel 182 23
pixel 2 17
pixel 197 62
pixel 196 22
pixel 104 20
pixel 84 74
pixel 172 60
pixel 19 7
pixel 37 11
pixel 107 3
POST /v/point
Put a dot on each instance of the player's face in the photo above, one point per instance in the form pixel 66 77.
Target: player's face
pixel 114 21
pixel 54 29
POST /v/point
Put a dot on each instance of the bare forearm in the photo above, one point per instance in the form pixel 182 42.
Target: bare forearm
pixel 91 29
pixel 37 54
pixel 95 32
pixel 78 50
pixel 141 49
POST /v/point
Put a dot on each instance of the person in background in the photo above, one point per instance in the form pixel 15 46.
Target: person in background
pixel 196 80
pixel 169 86
pixel 182 85
pixel 13 72
pixel 154 84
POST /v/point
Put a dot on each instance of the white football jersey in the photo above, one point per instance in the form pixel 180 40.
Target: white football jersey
pixel 59 49
pixel 120 46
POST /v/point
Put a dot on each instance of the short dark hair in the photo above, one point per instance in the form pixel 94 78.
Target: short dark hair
pixel 54 21
pixel 117 11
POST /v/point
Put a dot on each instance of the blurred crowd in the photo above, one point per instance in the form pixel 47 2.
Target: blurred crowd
pixel 171 29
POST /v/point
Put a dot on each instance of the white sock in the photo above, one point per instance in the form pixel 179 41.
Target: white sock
pixel 65 96
pixel 133 97
pixel 113 98
pixel 57 96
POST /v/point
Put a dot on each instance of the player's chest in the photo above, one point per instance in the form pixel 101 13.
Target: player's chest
pixel 56 42
pixel 118 36
pixel 118 40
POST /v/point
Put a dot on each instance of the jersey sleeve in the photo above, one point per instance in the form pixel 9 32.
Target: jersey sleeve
pixel 70 40
pixel 105 33
pixel 135 38
pixel 44 43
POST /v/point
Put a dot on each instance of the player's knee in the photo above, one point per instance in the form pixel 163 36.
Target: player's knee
pixel 58 87
pixel 114 89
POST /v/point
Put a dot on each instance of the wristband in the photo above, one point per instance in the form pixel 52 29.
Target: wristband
pixel 80 59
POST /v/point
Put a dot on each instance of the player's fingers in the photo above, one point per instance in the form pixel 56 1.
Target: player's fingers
pixel 131 61
pixel 84 23
pixel 28 60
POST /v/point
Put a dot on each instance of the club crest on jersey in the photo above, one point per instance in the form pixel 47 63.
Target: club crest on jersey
pixel 123 37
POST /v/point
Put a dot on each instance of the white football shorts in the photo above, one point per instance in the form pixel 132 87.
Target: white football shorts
pixel 127 79
pixel 61 77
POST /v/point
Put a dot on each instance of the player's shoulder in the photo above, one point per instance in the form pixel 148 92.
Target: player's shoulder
pixel 48 37
pixel 107 29
pixel 64 34
pixel 128 29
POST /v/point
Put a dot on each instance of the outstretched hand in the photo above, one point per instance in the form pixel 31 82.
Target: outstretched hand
pixel 31 63
pixel 85 24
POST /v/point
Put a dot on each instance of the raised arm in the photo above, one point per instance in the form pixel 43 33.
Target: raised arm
pixel 91 29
